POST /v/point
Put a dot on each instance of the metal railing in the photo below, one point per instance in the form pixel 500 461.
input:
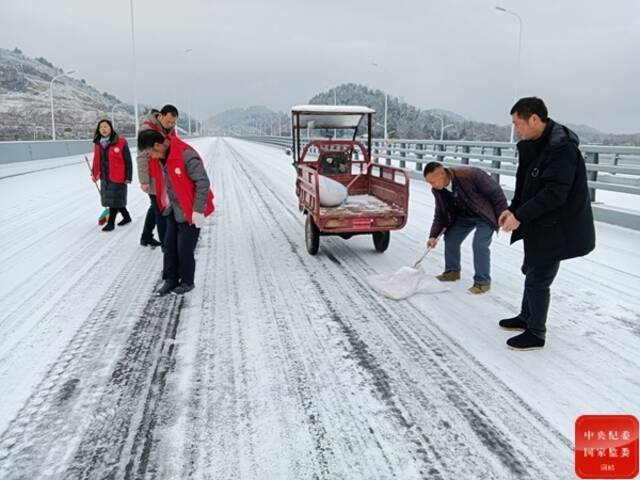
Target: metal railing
pixel 611 168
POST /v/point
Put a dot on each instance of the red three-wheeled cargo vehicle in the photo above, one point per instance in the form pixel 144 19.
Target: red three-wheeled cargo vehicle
pixel 326 143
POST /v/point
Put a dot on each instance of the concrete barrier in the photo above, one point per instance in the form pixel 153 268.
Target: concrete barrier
pixel 24 151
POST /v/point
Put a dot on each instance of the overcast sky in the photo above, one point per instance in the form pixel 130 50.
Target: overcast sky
pixel 580 56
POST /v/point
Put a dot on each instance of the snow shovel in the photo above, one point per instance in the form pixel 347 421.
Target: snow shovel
pixel 104 216
pixel 407 281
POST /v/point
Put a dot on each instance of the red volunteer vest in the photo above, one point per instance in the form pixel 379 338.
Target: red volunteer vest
pixel 154 164
pixel 183 186
pixel 116 161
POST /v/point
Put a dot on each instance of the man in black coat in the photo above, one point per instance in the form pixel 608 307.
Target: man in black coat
pixel 550 212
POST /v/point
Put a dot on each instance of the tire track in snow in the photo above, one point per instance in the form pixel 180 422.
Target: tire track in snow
pixel 46 426
pixel 109 445
pixel 482 425
pixel 426 451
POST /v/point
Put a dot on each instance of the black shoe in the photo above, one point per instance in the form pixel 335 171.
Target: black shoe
pixel 525 341
pixel 108 227
pixel 184 288
pixel 153 243
pixel 515 323
pixel 124 221
pixel 167 287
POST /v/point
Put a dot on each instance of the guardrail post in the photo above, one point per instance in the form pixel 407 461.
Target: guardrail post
pixel 465 159
pixel 616 160
pixel 419 156
pixel 496 164
pixel 440 148
pixel 387 154
pixel 375 152
pixel 403 162
pixel 592 175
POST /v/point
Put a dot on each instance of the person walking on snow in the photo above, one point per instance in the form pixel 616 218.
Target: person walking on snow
pixel 112 166
pixel 466 199
pixel 550 212
pixel 185 199
pixel 163 122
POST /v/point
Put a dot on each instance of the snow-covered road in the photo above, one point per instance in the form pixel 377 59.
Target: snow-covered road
pixel 280 365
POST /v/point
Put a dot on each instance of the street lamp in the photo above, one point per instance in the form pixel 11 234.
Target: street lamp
pixel 335 102
pixel 135 89
pixel 53 118
pixel 386 95
pixel 443 127
pixel 187 51
pixel 515 94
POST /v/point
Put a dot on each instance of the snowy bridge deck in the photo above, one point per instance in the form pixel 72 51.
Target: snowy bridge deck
pixel 281 365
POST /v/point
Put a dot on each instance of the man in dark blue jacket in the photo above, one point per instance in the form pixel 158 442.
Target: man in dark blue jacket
pixel 466 199
pixel 550 212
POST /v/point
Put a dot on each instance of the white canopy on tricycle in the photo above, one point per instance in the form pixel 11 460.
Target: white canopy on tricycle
pixel 328 116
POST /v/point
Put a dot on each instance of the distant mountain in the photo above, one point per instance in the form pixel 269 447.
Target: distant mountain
pixel 404 120
pixel 25 109
pixel 452 116
pixel 254 120
pixel 590 135
pixel 407 121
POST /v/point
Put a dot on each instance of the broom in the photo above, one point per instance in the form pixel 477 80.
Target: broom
pixel 104 216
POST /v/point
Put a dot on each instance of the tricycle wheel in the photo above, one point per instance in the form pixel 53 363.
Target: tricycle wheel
pixel 311 236
pixel 381 240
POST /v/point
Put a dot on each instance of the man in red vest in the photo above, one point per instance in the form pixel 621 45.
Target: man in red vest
pixel 184 197
pixel 164 122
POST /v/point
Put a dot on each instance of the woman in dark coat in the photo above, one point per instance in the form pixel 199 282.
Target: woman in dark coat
pixel 112 166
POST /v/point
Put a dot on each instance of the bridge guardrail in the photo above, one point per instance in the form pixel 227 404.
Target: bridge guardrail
pixel 609 168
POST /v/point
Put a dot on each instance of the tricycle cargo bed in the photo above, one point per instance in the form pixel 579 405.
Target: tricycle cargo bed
pixel 360 205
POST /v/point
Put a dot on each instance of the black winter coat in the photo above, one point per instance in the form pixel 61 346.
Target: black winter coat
pixel 551 199
pixel 113 194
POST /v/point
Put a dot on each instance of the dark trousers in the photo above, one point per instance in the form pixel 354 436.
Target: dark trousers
pixel 113 211
pixel 179 245
pixel 153 219
pixel 536 295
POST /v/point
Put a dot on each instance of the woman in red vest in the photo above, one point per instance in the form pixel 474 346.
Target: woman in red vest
pixel 112 166
pixel 185 198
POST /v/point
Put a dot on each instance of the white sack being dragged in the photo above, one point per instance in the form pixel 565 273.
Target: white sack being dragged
pixel 332 193
pixel 405 282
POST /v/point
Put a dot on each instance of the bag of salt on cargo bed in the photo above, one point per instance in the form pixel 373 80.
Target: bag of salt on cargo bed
pixel 332 193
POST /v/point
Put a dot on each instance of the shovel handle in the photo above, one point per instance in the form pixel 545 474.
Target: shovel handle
pixel 429 248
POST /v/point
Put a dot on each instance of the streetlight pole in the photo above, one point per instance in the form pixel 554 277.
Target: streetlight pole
pixel 135 88
pixel 386 98
pixel 443 127
pixel 53 118
pixel 187 51
pixel 335 102
pixel 515 93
